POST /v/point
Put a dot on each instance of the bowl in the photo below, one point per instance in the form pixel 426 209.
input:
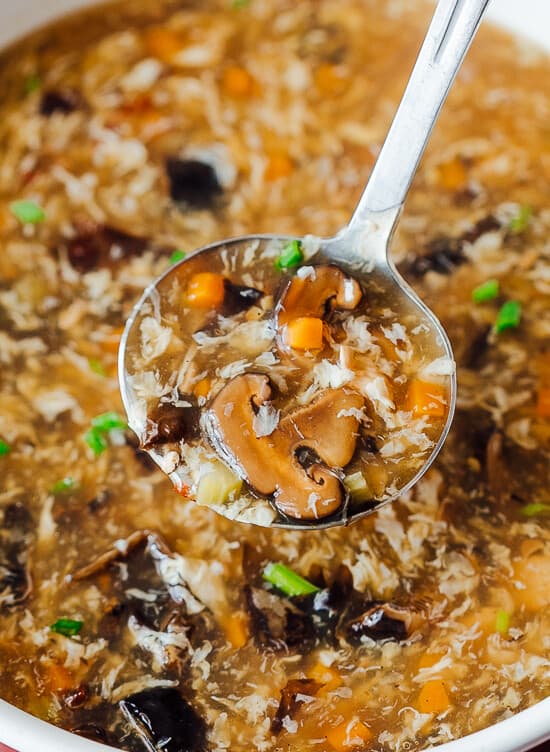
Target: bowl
pixel 25 733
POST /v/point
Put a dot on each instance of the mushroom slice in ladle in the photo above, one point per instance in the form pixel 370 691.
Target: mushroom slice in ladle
pixel 269 463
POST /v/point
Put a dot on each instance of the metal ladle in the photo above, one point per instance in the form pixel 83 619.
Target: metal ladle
pixel 362 247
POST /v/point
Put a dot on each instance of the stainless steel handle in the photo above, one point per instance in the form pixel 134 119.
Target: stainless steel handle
pixel 451 31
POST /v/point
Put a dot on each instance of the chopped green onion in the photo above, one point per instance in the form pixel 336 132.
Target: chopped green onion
pixel 27 212
pixel 519 223
pixel 509 316
pixel 502 622
pixel 534 509
pixel 96 366
pixel 96 441
pixel 287 580
pixel 178 255
pixel 67 627
pixel 32 83
pixel 65 485
pixel 238 4
pixel 108 422
pixel 486 291
pixel 291 256
pixel 5 448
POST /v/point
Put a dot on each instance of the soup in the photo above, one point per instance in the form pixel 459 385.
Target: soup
pixel 272 390
pixel 128 614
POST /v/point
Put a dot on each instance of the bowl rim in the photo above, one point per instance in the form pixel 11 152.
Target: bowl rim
pixel 521 731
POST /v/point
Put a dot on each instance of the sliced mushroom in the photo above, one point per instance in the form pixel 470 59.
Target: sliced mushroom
pixel 270 464
pixel 165 721
pixel 193 183
pixel 293 696
pixel 278 624
pixel 385 621
pixel 15 577
pixel 315 295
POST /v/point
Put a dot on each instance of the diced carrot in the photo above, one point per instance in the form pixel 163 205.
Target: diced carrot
pixel 237 81
pixel 202 388
pixel 236 629
pixel 278 166
pixel 205 290
pixel 328 79
pixel 329 677
pixel 57 678
pixel 111 342
pixel 427 660
pixel 182 491
pixel 304 333
pixel 452 174
pixel 543 403
pixel 163 43
pixel 426 399
pixel 433 697
pixel 533 574
pixel 348 735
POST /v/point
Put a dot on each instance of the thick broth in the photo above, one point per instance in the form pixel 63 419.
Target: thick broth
pixel 438 617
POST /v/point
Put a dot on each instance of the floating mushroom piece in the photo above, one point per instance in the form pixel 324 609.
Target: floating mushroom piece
pixel 293 696
pixel 165 721
pixel 269 463
pixel 193 183
pixel 15 577
pixel 385 621
pixel 318 292
pixel 277 623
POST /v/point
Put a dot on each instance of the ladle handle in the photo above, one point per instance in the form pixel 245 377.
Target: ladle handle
pixel 451 31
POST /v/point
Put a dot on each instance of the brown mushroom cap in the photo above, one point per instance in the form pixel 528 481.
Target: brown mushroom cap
pixel 317 294
pixel 269 463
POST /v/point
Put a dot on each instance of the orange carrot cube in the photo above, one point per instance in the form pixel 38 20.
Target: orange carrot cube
pixel 278 166
pixel 304 333
pixel 348 735
pixel 205 290
pixel 163 44
pixel 237 81
pixel 543 403
pixel 427 399
pixel 329 677
pixel 433 697
pixel 236 630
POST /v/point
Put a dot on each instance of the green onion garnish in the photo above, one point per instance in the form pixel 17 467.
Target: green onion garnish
pixel 67 627
pixel 96 366
pixel 5 448
pixel 287 580
pixel 108 422
pixel 96 441
pixel 178 255
pixel 486 291
pixel 519 223
pixel 502 622
pixel 27 212
pixel 534 509
pixel 238 4
pixel 291 256
pixel 32 83
pixel 509 316
pixel 65 485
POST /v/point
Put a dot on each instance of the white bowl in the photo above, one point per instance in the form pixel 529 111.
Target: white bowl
pixel 25 733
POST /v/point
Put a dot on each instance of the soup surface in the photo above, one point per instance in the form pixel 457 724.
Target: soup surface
pixel 130 615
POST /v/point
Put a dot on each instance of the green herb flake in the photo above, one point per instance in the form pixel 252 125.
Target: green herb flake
pixel 519 223
pixel 487 291
pixel 502 622
pixel 97 442
pixel 509 316
pixel 27 212
pixel 97 367
pixel 67 627
pixel 178 255
pixel 108 422
pixel 5 448
pixel 63 486
pixel 291 256
pixel 32 83
pixel 535 509
pixel 288 581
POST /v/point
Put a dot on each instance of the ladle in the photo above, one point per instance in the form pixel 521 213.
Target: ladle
pixel 362 247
